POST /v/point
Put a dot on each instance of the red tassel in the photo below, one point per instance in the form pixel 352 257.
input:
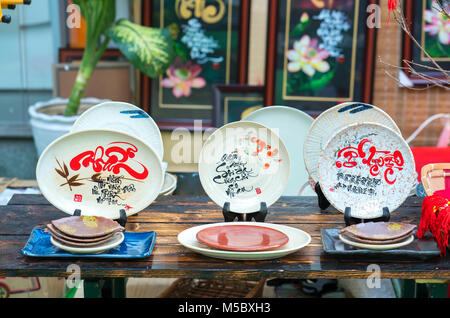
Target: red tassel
pixel 436 219
pixel 442 227
pixel 392 5
pixel 430 206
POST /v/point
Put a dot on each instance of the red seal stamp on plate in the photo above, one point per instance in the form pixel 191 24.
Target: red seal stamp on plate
pixel 77 198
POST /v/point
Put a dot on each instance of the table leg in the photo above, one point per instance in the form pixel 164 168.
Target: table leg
pixel 408 288
pixel 114 288
pixel 107 288
pixel 438 291
pixel 92 288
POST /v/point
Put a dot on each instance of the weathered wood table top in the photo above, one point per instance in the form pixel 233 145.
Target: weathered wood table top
pixel 171 215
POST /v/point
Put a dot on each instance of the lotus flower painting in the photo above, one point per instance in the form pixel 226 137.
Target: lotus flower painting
pixel 307 57
pixel 205 34
pixel 317 53
pixel 182 78
pixel 436 30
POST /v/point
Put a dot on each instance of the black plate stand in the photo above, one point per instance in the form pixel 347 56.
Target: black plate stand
pixel 349 219
pixel 259 216
pixel 122 219
pixel 322 201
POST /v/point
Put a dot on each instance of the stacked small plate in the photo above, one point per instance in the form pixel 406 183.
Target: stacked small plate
pixel 378 235
pixel 85 234
pixel 358 156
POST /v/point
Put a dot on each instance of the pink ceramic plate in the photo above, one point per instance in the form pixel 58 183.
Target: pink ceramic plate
pixel 242 237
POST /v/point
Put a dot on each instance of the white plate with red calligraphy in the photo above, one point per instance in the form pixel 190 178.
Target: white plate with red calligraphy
pixel 99 172
pixel 244 163
pixel 366 167
pixel 334 119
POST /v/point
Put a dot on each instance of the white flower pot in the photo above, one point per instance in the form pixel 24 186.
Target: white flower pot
pixel 46 123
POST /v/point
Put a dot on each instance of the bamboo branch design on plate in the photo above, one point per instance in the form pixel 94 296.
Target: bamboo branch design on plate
pixel 73 181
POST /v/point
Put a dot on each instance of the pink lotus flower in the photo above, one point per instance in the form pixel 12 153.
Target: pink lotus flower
pixel 307 57
pixel 182 78
pixel 439 24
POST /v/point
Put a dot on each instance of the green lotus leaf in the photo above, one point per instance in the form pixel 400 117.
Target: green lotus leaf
pixel 151 50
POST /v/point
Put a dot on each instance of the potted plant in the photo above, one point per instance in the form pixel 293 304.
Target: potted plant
pixel 150 50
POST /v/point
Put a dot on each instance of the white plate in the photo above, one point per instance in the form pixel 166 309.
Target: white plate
pixel 381 247
pixel 244 163
pixel 99 185
pixel 334 119
pixel 170 183
pixel 115 240
pixel 292 125
pixel 297 240
pixel 123 117
pixel 366 167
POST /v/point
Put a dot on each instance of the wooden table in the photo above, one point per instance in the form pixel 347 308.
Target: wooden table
pixel 171 215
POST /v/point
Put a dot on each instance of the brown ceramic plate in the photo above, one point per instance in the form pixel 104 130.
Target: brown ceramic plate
pixel 54 232
pixel 375 242
pixel 379 230
pixel 81 244
pixel 86 226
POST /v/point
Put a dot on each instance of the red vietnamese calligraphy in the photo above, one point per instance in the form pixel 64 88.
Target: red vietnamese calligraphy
pixel 114 159
pixel 372 158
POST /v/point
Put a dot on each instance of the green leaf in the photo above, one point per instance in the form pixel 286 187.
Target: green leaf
pixel 99 16
pixel 151 50
pixel 300 29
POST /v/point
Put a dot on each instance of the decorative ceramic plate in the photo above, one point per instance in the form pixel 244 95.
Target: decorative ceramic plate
pixel 123 117
pixel 292 125
pixel 334 119
pixel 115 240
pixel 99 172
pixel 297 240
pixel 407 241
pixel 244 163
pixel 135 245
pixel 379 230
pixel 366 167
pixel 242 237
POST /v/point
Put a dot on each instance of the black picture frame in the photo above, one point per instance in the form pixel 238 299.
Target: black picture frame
pixel 231 101
pixel 183 113
pixel 360 41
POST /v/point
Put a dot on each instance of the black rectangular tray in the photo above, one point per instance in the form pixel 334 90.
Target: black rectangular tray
pixel 419 249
